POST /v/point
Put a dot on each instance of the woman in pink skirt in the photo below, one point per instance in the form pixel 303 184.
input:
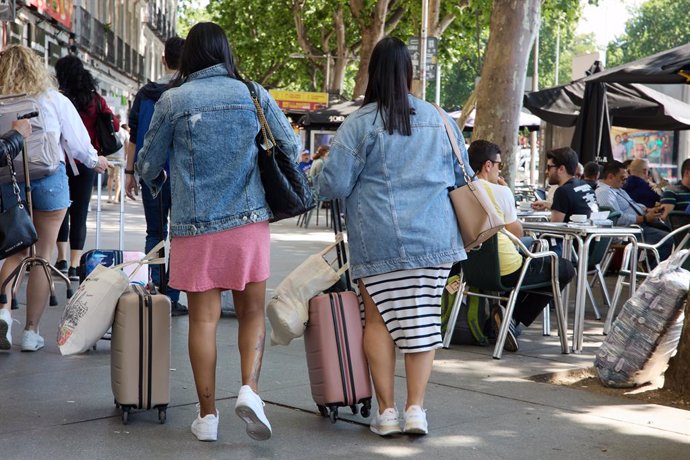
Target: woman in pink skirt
pixel 205 127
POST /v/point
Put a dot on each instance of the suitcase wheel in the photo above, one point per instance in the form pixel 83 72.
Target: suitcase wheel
pixel 354 409
pixel 117 404
pixel 366 408
pixel 333 414
pixel 125 415
pixel 161 415
pixel 323 410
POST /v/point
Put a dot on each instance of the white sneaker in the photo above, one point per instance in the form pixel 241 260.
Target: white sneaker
pixel 250 408
pixel 386 423
pixel 206 429
pixel 415 421
pixel 31 341
pixel 5 330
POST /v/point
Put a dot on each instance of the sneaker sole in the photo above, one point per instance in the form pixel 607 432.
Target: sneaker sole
pixel 417 430
pixel 256 429
pixel 205 437
pixel 30 350
pixel 4 343
pixel 387 432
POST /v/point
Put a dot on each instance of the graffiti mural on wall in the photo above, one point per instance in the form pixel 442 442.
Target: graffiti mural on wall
pixel 657 147
pixel 60 10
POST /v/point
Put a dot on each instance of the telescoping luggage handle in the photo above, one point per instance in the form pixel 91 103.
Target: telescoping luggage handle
pixel 340 242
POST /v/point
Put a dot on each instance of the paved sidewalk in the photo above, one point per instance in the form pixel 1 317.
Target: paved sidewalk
pixel 479 408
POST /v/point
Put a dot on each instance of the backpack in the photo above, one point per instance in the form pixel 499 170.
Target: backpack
pixel 44 152
pixel 108 140
pixel 473 317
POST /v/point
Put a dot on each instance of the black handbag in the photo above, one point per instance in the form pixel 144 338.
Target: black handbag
pixel 287 191
pixel 17 231
pixel 108 140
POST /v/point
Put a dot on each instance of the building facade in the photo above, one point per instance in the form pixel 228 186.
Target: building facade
pixel 120 41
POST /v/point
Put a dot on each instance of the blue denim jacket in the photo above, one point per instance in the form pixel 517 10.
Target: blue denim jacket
pixel 399 215
pixel 209 125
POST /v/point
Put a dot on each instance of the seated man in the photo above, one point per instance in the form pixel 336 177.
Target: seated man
pixel 573 195
pixel 591 174
pixel 485 159
pixel 610 194
pixel 637 185
pixel 677 197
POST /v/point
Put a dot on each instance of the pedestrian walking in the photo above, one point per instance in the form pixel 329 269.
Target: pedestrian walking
pixel 206 126
pixel 392 163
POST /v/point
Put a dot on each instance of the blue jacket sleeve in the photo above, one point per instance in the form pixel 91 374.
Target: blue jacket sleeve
pixel 157 143
pixel 282 131
pixel 343 164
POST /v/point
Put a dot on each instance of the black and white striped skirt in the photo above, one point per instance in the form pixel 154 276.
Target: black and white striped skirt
pixel 410 303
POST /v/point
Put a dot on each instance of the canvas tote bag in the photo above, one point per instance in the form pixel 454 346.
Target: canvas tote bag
pixel 476 214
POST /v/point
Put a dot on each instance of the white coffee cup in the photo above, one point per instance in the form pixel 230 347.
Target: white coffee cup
pixel 578 218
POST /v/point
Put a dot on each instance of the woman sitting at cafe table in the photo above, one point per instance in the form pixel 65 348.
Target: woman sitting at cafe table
pixel 485 159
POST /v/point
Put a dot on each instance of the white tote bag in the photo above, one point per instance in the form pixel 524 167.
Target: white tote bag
pixel 288 309
pixel 90 311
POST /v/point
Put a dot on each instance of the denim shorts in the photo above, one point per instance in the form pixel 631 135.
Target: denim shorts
pixel 49 193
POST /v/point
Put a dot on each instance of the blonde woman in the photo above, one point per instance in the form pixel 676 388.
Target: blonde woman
pixel 23 72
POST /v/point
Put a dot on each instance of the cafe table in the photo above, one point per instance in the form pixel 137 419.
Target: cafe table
pixel 584 235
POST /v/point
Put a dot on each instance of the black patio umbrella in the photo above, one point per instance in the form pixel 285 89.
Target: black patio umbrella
pixel 670 66
pixel 592 137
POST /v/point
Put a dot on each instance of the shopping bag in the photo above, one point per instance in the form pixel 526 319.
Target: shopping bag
pixel 90 312
pixel 288 309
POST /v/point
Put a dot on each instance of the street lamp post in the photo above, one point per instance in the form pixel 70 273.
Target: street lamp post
pixel 328 57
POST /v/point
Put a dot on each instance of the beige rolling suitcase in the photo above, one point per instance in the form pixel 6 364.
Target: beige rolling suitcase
pixel 140 352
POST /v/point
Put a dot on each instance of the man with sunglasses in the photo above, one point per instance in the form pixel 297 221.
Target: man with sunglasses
pixel 485 160
pixel 573 196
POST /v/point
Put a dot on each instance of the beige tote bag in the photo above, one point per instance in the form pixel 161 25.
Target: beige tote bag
pixel 476 214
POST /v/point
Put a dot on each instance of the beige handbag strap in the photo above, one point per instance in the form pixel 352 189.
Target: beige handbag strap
pixel 453 143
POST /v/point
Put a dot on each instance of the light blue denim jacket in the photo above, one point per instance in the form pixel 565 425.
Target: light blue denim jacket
pixel 399 215
pixel 209 125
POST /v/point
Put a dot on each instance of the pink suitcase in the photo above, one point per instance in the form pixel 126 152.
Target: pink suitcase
pixel 338 370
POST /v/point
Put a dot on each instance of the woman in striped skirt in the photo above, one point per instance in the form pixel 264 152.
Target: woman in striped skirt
pixel 393 164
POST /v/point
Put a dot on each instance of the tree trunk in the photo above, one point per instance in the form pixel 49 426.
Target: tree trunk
pixel 514 24
pixel 371 29
pixel 340 59
pixel 677 377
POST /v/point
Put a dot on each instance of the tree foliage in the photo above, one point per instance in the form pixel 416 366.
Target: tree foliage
pixel 656 26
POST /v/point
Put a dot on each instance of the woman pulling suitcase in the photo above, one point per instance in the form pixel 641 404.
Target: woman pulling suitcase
pixel 206 125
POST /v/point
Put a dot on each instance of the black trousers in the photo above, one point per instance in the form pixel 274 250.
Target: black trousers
pixel 530 304
pixel 80 189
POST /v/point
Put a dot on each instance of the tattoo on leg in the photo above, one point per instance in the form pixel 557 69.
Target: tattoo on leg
pixel 258 357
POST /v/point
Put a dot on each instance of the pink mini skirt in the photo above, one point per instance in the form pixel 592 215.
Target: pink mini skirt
pixel 226 260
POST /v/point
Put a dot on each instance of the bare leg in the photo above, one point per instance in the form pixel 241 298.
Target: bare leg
pixel 250 305
pixel 380 350
pixel 8 267
pixel 417 370
pixel 204 313
pixel 63 248
pixel 47 225
pixel 74 257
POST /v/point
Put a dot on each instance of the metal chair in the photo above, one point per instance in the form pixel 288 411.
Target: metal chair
pixel 481 272
pixel 653 249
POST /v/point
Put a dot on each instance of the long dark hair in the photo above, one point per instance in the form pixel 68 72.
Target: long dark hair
pixel 390 75
pixel 75 81
pixel 206 45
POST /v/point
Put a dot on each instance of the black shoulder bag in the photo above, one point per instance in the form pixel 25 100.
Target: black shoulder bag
pixel 17 231
pixel 108 140
pixel 287 191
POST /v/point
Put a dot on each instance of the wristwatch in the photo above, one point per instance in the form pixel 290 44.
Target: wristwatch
pixel 129 171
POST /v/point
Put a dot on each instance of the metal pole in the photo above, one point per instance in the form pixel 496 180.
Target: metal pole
pixel 422 48
pixel 558 52
pixel 328 73
pixel 533 135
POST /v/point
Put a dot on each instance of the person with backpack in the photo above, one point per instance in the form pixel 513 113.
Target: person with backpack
pixel 79 86
pixel 139 121
pixel 23 72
